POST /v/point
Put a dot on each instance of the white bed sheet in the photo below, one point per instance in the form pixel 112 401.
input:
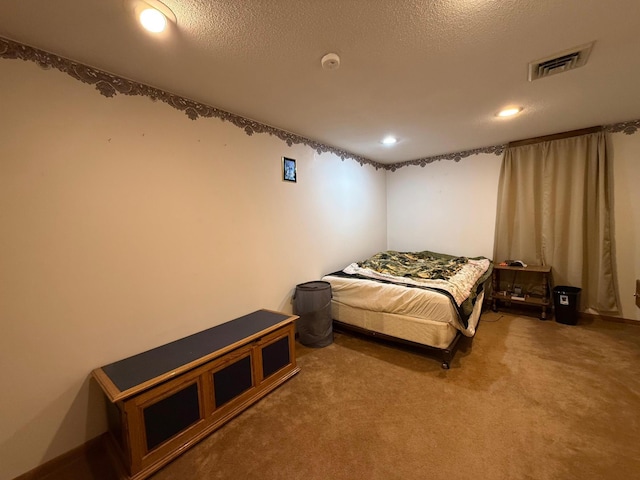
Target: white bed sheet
pixel 417 308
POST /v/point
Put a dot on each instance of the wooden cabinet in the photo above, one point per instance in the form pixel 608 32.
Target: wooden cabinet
pixel 163 401
pixel 540 272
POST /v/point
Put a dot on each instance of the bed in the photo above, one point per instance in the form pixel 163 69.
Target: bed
pixel 424 298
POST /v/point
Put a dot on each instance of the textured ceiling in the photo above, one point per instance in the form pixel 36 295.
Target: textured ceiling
pixel 433 73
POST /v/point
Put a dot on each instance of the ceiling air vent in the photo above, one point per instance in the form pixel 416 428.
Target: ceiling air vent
pixel 560 62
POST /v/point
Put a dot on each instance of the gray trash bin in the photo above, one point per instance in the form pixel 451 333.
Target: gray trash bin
pixel 312 302
pixel 565 302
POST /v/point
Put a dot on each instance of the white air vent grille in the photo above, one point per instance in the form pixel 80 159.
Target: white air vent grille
pixel 560 62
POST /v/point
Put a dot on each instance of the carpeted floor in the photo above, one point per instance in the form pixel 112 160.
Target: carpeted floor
pixel 527 399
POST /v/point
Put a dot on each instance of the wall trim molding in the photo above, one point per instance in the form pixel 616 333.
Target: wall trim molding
pixel 109 85
pixel 607 318
pixel 58 467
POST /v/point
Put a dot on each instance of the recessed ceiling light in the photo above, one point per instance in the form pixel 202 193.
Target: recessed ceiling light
pixel 509 112
pixel 389 140
pixel 153 20
pixel 153 15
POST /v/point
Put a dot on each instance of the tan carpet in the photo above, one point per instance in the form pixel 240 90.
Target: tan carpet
pixel 527 399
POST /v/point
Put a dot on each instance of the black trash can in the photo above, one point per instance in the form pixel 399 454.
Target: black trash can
pixel 312 302
pixel 566 301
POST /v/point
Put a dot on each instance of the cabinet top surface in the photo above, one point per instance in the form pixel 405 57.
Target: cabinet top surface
pixel 144 367
pixel 528 268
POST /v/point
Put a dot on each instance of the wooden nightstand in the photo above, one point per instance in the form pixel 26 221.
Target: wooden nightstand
pixel 544 301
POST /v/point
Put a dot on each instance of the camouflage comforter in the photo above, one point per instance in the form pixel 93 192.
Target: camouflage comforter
pixel 459 278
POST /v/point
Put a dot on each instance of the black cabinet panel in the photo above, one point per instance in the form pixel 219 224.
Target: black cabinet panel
pixel 232 380
pixel 171 415
pixel 275 356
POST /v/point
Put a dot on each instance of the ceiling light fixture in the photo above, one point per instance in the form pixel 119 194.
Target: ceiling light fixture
pixel 153 20
pixel 509 112
pixel 153 15
pixel 389 140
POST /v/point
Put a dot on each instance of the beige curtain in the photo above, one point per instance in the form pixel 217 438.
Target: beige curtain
pixel 554 209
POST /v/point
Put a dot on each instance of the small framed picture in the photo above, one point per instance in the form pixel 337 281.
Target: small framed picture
pixel 289 173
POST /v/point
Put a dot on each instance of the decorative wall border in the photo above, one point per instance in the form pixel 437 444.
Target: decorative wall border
pixel 456 157
pixel 628 128
pixel 109 85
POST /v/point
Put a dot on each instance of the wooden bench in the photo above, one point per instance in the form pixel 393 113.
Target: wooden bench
pixel 163 401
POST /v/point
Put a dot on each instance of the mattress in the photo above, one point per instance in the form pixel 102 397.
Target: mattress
pixel 413 314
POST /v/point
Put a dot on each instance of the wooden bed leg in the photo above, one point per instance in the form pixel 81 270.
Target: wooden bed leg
pixel 449 352
pixel 446 359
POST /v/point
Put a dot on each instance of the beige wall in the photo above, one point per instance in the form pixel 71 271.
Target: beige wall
pixel 125 225
pixel 446 206
pixel 626 207
pixel 451 207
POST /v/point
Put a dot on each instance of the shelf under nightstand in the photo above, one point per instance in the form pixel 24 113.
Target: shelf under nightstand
pixel 544 301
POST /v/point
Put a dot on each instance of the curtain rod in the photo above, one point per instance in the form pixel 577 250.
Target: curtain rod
pixel 555 136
